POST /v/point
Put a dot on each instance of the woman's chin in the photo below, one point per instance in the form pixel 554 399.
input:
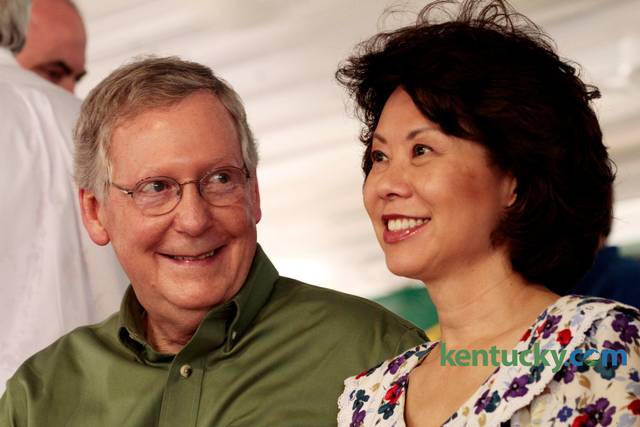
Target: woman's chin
pixel 405 268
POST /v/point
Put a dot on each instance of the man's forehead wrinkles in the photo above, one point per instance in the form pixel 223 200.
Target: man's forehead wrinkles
pixel 170 169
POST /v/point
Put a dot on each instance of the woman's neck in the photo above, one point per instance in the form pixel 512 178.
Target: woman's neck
pixel 482 303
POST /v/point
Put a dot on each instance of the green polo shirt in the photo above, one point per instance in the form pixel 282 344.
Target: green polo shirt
pixel 275 355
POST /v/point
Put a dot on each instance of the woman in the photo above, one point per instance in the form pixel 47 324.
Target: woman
pixel 487 179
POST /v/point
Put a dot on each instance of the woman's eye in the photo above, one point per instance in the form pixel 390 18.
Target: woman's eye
pixel 420 150
pixel 377 156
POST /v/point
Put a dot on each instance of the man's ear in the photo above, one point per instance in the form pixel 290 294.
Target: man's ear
pixel 255 194
pixel 91 207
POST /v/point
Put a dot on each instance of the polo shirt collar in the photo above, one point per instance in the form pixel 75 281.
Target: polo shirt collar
pixel 224 324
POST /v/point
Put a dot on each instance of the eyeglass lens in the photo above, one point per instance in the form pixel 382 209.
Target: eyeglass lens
pixel 160 195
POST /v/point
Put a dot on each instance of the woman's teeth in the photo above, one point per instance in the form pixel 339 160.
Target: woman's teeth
pixel 194 258
pixel 404 224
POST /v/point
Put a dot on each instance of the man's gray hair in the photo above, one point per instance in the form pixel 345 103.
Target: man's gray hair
pixel 14 19
pixel 141 86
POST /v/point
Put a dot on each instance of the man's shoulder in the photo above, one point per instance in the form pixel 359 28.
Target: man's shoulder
pixel 349 310
pixel 84 342
pixel 363 332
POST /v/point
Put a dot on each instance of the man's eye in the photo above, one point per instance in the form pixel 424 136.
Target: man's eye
pixel 420 150
pixel 154 187
pixel 377 156
pixel 220 178
pixel 54 76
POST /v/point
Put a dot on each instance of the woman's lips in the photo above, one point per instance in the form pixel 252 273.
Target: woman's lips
pixel 399 227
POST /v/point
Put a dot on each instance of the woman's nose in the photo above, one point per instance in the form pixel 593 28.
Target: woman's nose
pixel 393 182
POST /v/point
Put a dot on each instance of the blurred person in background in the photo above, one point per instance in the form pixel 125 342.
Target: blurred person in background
pixel 52 278
pixel 56 43
pixel 612 276
pixel 208 333
pixel 486 178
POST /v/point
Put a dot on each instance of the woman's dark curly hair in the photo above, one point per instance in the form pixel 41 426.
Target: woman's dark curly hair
pixel 492 76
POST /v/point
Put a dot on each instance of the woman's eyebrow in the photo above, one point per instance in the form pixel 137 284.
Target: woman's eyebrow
pixel 379 137
pixel 414 133
pixel 410 136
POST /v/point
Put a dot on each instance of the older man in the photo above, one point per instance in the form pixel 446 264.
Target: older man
pixel 52 277
pixel 56 42
pixel 208 334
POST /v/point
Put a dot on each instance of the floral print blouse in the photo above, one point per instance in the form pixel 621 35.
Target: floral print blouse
pixel 590 394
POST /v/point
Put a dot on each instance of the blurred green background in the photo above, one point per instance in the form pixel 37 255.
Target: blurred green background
pixel 413 303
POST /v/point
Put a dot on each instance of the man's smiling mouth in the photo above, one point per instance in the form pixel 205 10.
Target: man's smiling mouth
pixel 192 258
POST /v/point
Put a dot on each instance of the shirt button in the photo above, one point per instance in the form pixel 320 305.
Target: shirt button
pixel 186 371
pixel 233 335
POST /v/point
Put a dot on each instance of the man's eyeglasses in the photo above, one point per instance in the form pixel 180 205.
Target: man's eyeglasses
pixel 160 194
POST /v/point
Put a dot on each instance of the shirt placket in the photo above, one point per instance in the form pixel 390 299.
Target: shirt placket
pixel 181 398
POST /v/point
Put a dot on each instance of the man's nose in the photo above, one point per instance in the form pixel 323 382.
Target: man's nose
pixel 193 214
pixel 68 83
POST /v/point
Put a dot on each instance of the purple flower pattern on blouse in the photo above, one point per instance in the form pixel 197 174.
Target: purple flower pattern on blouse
pixel 550 326
pixel 487 402
pixel 585 395
pixel 518 387
pixel 622 324
pixel 358 418
pixel 395 364
pixel 599 413
pixel 359 399
pixel 565 413
pixel 566 374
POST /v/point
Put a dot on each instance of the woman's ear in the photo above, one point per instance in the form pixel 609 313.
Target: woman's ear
pixel 92 218
pixel 510 190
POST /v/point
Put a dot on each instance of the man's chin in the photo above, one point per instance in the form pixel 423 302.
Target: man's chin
pixel 196 296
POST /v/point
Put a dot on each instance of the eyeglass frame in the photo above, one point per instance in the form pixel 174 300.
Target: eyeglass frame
pixel 131 192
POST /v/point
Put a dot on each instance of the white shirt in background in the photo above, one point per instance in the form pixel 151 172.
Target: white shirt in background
pixel 52 277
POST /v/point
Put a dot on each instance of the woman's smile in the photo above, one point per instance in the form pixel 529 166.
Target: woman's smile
pixel 400 227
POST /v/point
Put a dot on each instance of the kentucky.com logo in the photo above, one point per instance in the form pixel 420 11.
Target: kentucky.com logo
pixel 532 357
